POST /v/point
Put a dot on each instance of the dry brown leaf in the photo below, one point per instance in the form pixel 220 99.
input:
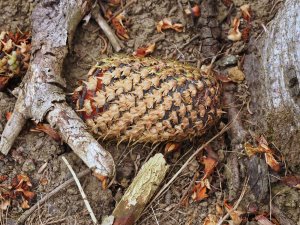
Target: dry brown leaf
pixel 118 25
pixel 292 181
pixel 194 11
pixel 234 214
pixel 234 33
pixel 25 204
pixel 209 166
pixel 3 82
pixel 8 115
pixel 171 147
pixel 263 148
pixel 210 220
pixel 199 192
pixel 144 51
pixel 44 181
pixel 103 179
pixel 3 178
pixel 166 23
pixel 46 128
pixel 271 161
pixel 246 12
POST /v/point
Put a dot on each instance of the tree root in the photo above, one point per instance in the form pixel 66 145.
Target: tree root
pixel 41 95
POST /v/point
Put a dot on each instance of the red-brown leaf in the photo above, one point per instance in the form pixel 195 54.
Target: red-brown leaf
pixel 3 82
pixel 199 192
pixel 46 128
pixel 209 166
pixel 144 51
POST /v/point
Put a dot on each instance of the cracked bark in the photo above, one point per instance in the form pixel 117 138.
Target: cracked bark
pixel 273 74
pixel 41 94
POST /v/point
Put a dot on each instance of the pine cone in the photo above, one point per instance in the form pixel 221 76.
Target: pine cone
pixel 147 100
pixel 14 55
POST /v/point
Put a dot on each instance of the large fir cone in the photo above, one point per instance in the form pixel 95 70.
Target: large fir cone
pixel 14 55
pixel 148 100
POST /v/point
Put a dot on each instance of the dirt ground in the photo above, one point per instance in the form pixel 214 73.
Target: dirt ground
pixel 33 150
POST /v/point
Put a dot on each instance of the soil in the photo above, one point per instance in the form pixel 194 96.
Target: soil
pixel 33 150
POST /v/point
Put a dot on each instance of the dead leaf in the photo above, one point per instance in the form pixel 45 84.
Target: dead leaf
pixel 234 214
pixel 103 179
pixel 25 204
pixel 199 192
pixel 7 46
pixel 8 115
pixel 166 23
pixel 118 25
pixel 194 11
pixel 271 161
pixel 262 220
pixel 46 128
pixel 234 33
pixel 227 3
pixel 29 195
pixel 263 148
pixel 292 181
pixel 44 181
pixel 235 74
pixel 171 147
pixel 223 78
pixel 3 178
pixel 210 220
pixel 3 82
pixel 144 51
pixel 246 12
pixel 209 166
pixel 219 210
pixel 246 33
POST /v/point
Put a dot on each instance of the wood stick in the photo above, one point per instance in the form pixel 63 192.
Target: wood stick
pixel 27 213
pixel 86 202
pixel 115 42
pixel 141 190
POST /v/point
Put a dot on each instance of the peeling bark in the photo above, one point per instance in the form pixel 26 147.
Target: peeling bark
pixel 41 96
pixel 140 191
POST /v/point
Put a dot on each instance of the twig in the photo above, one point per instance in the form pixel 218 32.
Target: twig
pixel 122 9
pixel 115 42
pixel 190 159
pixel 188 42
pixel 86 202
pixel 236 204
pixel 27 213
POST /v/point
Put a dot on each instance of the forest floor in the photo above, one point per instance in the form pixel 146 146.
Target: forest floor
pixel 39 156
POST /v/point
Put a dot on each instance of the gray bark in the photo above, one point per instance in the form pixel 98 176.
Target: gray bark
pixel 42 97
pixel 273 77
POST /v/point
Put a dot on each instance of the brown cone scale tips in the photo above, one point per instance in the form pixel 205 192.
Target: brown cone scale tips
pixel 147 100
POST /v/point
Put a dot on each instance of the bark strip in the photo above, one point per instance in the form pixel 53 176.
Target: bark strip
pixel 141 190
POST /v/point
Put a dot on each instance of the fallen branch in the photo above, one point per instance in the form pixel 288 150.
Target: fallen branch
pixel 27 213
pixel 41 95
pixel 140 191
pixel 86 202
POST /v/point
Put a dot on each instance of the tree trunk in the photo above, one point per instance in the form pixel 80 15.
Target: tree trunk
pixel 273 76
